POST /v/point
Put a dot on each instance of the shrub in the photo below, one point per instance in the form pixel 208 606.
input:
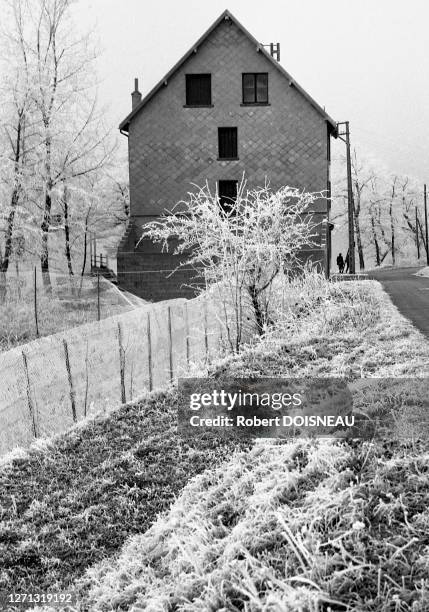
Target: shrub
pixel 241 249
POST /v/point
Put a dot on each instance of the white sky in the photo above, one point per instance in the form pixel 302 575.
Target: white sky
pixel 366 61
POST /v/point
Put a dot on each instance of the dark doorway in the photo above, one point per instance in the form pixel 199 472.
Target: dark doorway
pixel 227 196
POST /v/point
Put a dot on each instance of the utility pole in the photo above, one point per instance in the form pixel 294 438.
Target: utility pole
pixel 417 235
pixel 350 201
pixel 426 225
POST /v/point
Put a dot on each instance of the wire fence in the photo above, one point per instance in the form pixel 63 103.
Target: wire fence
pixel 31 307
pixel 53 382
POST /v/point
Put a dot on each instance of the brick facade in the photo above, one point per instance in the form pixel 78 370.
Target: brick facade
pixel 172 147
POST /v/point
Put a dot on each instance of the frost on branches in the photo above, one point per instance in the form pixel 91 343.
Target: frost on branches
pixel 239 251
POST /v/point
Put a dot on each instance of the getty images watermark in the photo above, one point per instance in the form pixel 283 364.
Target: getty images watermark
pixel 266 407
pixel 289 407
pixel 279 402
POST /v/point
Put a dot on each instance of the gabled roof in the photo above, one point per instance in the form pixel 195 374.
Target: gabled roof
pixel 227 15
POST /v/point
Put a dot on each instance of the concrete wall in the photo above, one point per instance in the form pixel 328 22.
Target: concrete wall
pixel 172 147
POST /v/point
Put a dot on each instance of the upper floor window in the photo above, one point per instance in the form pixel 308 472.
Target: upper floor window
pixel 227 192
pixel 198 89
pixel 227 137
pixel 255 88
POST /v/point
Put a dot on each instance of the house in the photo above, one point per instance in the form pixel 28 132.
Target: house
pixel 225 108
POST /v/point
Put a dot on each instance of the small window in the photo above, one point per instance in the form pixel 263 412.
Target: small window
pixel 255 88
pixel 198 90
pixel 227 195
pixel 227 137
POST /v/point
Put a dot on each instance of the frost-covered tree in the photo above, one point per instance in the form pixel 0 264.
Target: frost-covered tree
pixel 243 247
pixel 384 210
pixel 66 139
pixel 16 130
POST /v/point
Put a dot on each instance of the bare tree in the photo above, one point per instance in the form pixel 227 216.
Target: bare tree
pixel 409 196
pixel 65 207
pixel 392 199
pixel 378 234
pixel 384 210
pixel 362 178
pixel 16 110
pixel 71 140
pixel 93 204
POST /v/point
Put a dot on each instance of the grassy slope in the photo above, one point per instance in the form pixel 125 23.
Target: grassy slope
pixel 104 483
pixel 65 507
pixel 55 314
pixel 302 526
pixel 355 331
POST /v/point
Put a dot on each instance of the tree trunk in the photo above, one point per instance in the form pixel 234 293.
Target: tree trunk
pixel 46 221
pixel 392 235
pixel 257 308
pixel 67 231
pixel 10 223
pixel 85 248
pixel 9 231
pixel 3 286
pixel 376 245
pixel 392 225
pixel 44 257
pixel 356 212
pixel 422 236
pixel 85 252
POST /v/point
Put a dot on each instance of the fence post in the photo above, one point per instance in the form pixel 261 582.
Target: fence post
pixel 98 296
pixel 29 400
pixel 206 339
pixel 170 344
pixel 35 302
pixel 121 364
pixel 149 351
pixel 86 380
pixel 69 375
pixel 188 355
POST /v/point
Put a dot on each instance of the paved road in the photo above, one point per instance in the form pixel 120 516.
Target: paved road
pixel 409 293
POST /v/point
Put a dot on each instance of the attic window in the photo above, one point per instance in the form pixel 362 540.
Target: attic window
pixel 255 88
pixel 198 89
pixel 227 192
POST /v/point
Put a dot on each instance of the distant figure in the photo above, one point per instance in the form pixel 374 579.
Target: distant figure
pixel 347 262
pixel 340 263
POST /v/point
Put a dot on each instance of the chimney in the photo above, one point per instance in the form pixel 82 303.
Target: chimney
pixel 136 95
pixel 274 50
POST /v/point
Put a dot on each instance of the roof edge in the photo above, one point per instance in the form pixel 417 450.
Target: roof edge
pixel 332 125
pixel 124 124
